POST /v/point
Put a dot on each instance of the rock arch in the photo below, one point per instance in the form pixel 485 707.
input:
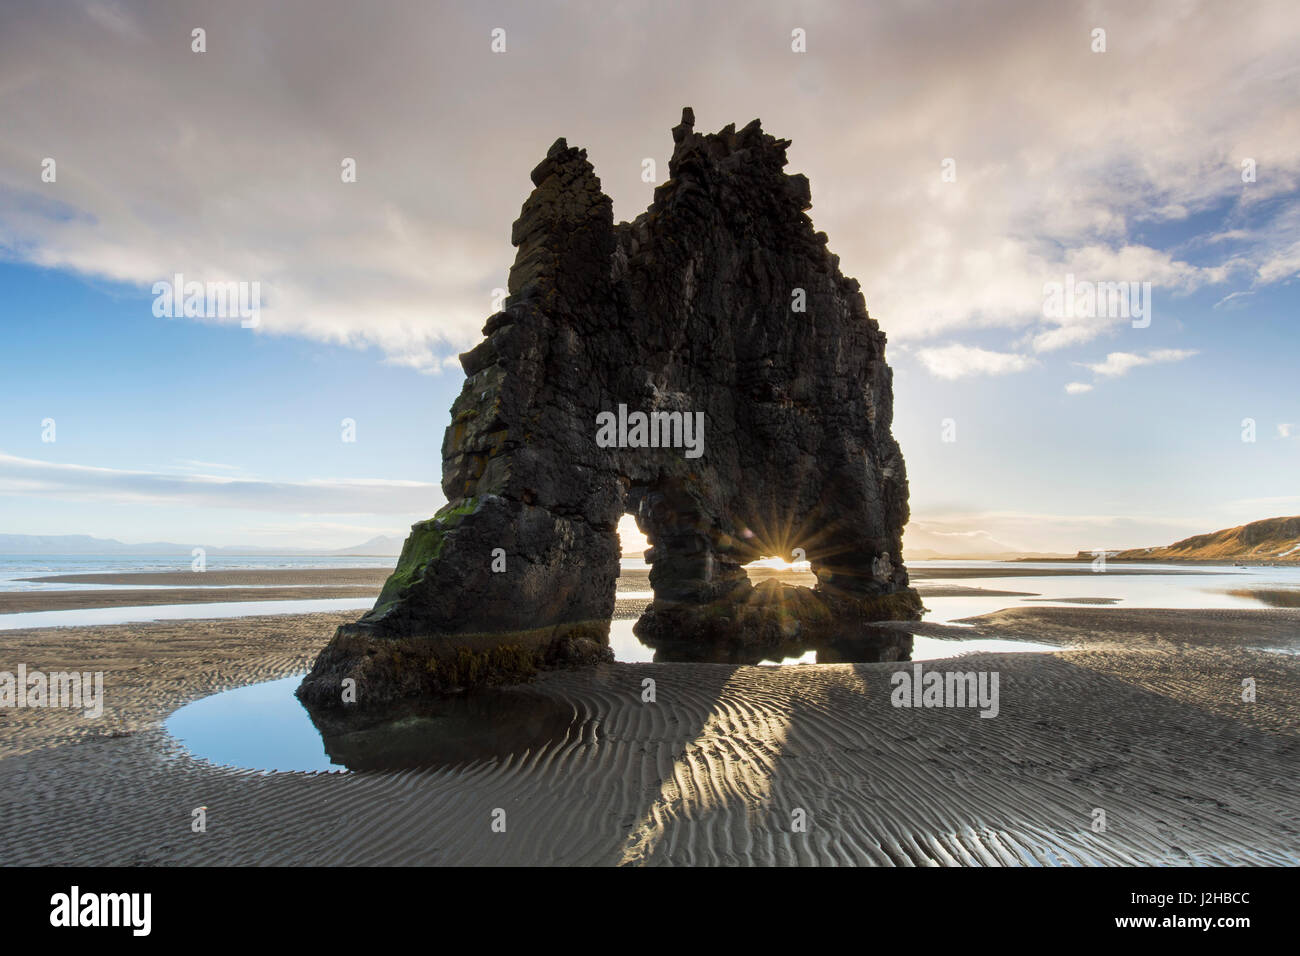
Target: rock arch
pixel 692 309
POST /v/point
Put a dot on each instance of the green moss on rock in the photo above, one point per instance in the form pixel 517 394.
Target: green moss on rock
pixel 422 547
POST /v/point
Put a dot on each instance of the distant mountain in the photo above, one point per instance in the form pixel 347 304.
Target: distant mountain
pixel 82 544
pixel 380 546
pixel 927 554
pixel 925 544
pixel 1272 540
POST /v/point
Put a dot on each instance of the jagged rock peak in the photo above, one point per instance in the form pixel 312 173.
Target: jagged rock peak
pixel 721 318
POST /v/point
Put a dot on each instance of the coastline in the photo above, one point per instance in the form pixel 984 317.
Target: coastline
pixel 1140 716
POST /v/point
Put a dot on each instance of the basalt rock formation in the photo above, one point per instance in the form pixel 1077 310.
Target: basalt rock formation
pixel 719 307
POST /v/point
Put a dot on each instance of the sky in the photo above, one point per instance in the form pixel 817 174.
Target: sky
pixel 963 158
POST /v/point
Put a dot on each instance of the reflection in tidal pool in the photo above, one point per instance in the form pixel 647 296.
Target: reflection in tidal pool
pixel 933 649
pixel 867 645
pixel 265 727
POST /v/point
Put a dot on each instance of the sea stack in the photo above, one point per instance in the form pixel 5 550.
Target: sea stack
pixel 719 310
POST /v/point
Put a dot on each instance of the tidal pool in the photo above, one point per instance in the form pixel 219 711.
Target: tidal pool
pixel 265 727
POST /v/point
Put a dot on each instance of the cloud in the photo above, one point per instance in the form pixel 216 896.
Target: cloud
pixel 193 464
pixel 225 165
pixel 1124 282
pixel 1285 429
pixel 1121 363
pixel 1284 265
pixel 961 361
pixel 30 477
pixel 1234 300
pixel 1077 388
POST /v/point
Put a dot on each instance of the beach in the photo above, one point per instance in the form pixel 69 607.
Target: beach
pixel 140 589
pixel 1139 715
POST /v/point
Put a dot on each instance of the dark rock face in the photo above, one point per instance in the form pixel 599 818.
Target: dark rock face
pixel 721 303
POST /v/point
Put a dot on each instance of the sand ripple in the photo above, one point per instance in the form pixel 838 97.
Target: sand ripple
pixel 711 773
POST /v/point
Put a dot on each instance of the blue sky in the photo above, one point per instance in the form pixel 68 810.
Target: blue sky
pixel 160 396
pixel 1110 166
pixel 1142 458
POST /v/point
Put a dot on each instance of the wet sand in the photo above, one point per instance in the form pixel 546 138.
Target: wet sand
pixel 1273 597
pixel 1007 571
pixel 1142 717
pixel 14 602
pixel 280 577
pixel 1073 600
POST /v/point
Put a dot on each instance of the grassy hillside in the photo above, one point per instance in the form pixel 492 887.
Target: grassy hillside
pixel 1270 540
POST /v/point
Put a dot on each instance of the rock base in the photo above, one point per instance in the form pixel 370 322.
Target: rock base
pixel 778 621
pixel 387 669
